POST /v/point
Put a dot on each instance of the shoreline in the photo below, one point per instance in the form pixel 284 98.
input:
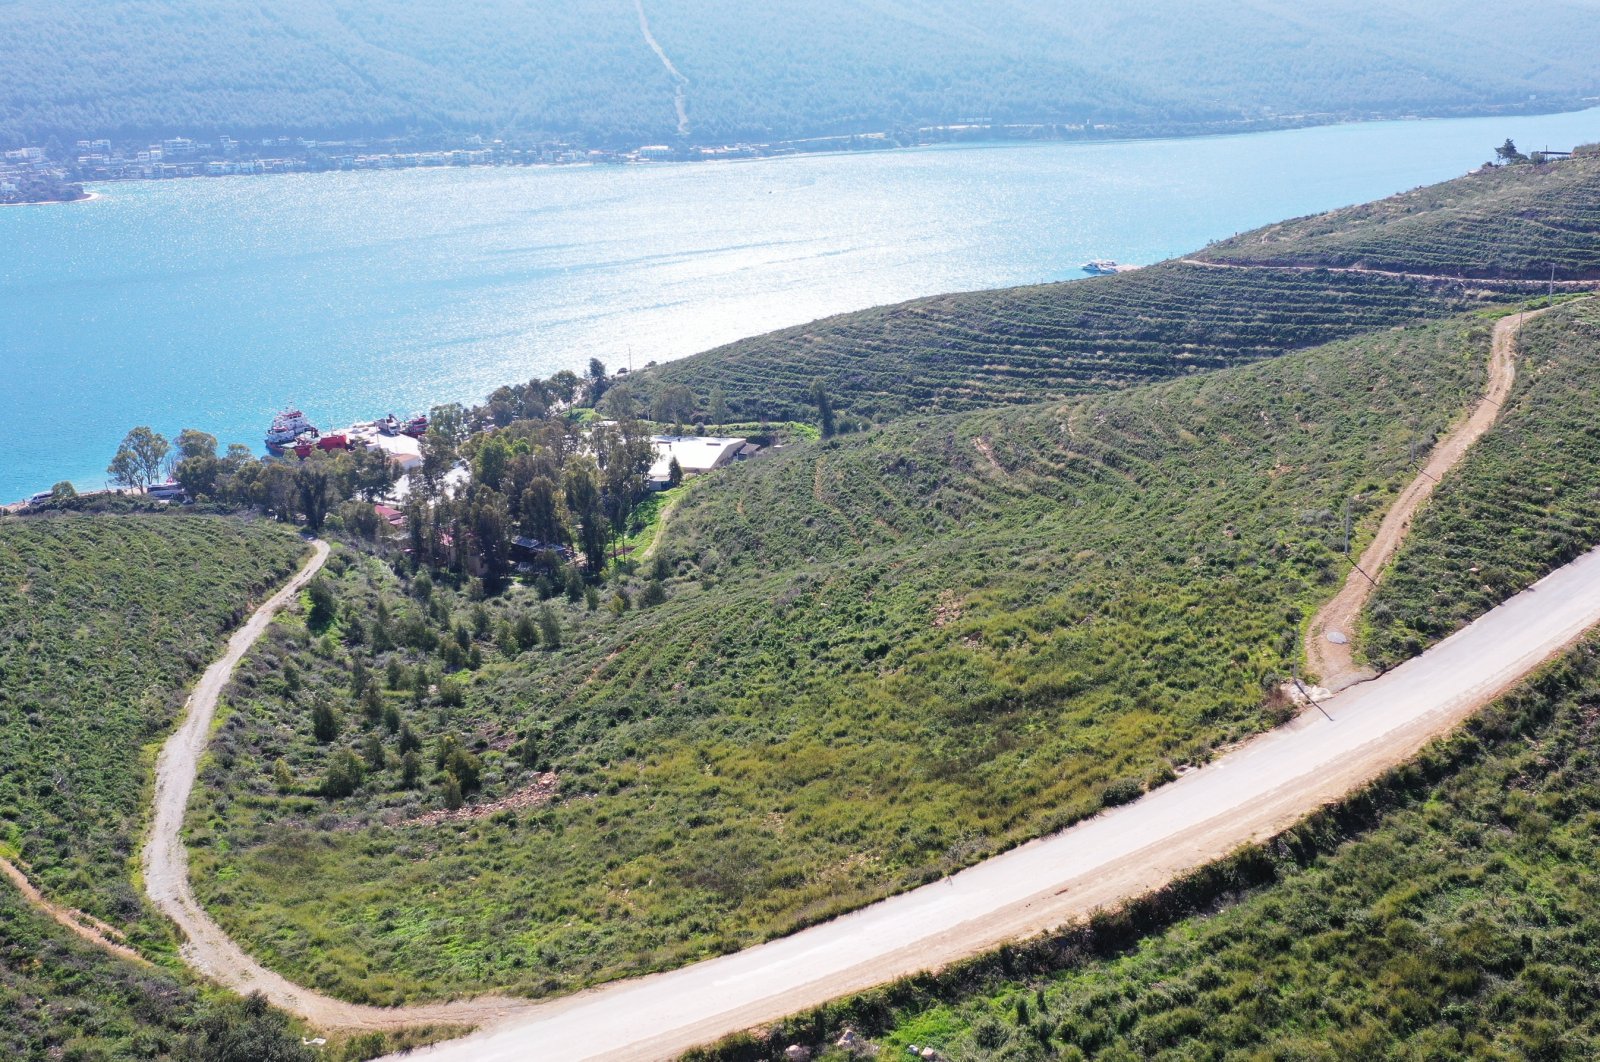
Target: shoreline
pixel 1199 131
pixel 85 198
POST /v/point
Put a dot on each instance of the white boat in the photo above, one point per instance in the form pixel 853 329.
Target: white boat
pixel 288 426
pixel 1101 267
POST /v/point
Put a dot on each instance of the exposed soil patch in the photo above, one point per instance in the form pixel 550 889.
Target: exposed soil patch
pixel 537 795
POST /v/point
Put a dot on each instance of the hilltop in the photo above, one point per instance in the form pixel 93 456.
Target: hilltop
pixel 1503 222
pixel 114 68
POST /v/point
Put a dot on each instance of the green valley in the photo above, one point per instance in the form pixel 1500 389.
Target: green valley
pixel 877 659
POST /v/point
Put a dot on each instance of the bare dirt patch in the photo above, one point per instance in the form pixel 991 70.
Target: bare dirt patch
pixel 541 792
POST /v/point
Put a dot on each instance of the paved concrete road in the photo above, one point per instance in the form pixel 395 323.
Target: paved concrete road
pixel 1251 794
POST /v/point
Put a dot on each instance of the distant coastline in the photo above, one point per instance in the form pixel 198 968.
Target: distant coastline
pixel 181 158
pixel 84 198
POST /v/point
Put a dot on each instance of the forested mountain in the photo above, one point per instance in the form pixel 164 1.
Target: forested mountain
pixel 793 68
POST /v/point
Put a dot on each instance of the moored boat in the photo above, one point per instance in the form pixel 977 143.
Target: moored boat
pixel 1100 267
pixel 288 426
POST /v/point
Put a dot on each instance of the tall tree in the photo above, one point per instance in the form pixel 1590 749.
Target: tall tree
pixel 193 442
pixel 586 504
pixel 824 404
pixel 140 459
pixel 313 486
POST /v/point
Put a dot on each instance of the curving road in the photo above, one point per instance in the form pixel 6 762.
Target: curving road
pixel 206 947
pixel 1250 795
pixel 1333 661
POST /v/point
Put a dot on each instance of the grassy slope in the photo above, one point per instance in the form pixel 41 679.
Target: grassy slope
pixel 1514 222
pixel 1462 922
pixel 102 622
pixel 1030 344
pixel 1526 502
pixel 1027 344
pixel 882 658
pixel 1461 925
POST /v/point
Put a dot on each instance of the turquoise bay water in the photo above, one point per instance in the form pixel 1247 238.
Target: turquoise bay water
pixel 212 303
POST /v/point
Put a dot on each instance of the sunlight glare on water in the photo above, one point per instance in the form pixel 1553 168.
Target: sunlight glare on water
pixel 213 302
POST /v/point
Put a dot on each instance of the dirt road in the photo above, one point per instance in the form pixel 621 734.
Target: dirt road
pixel 1250 795
pixel 1330 648
pixel 166 861
pixel 680 84
pixel 88 927
pixel 1487 282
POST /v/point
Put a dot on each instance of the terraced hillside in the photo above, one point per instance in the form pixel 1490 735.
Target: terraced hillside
pixel 103 620
pixel 1450 911
pixel 1504 222
pixel 856 665
pixel 1032 344
pixel 1029 344
pixel 1526 502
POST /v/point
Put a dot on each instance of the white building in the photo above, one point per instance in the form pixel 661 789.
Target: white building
pixel 695 454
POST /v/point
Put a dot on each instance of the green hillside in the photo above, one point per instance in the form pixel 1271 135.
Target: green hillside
pixel 1526 502
pixel 1448 912
pixel 877 659
pixel 1508 221
pixel 1031 344
pixel 103 621
pixel 1019 345
pixel 511 67
pixel 62 999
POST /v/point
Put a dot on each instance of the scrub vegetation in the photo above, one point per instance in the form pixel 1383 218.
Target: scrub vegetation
pixel 851 667
pixel 62 999
pixel 103 622
pixel 1448 911
pixel 1526 501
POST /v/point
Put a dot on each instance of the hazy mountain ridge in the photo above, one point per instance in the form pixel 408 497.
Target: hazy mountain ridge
pixel 526 67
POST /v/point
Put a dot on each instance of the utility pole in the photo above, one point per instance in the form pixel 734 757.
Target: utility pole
pixel 1347 527
pixel 1552 297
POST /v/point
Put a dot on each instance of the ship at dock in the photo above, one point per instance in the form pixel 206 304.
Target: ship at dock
pixel 288 428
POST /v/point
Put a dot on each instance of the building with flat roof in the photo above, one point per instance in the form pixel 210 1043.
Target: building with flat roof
pixel 695 454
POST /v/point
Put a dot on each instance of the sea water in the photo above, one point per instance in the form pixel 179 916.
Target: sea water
pixel 213 302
